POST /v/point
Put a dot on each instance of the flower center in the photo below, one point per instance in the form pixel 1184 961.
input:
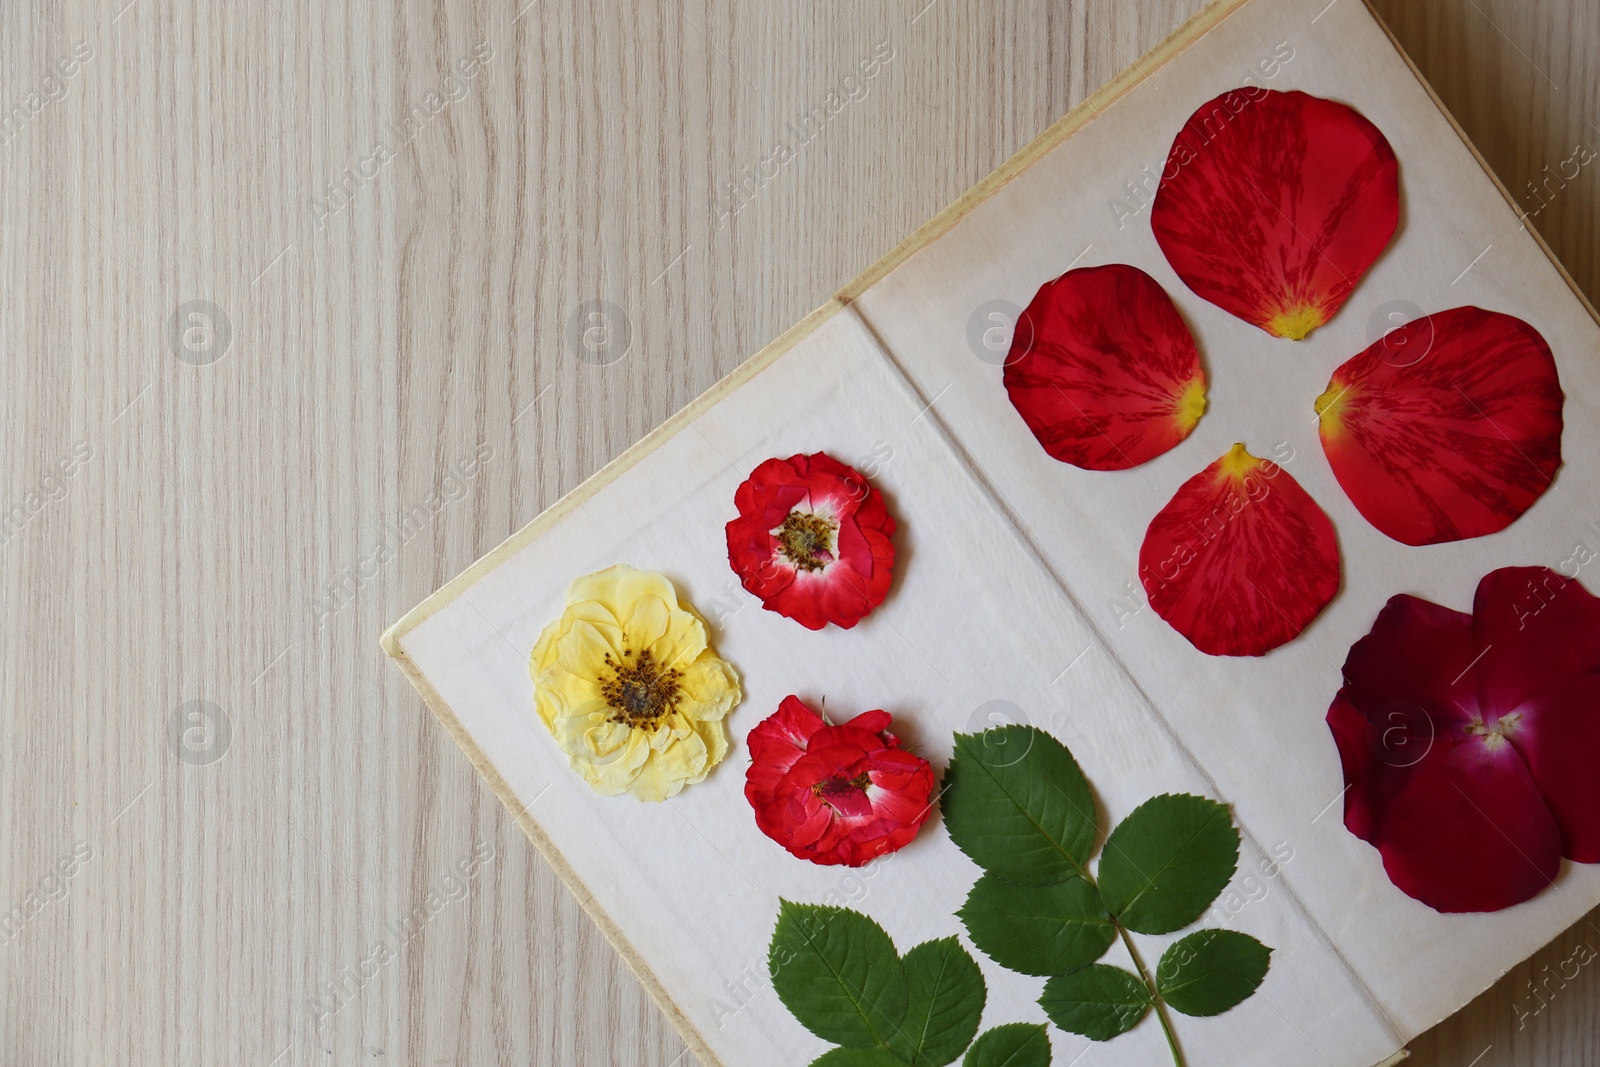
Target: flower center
pixel 1497 735
pixel 806 540
pixel 640 692
pixel 839 787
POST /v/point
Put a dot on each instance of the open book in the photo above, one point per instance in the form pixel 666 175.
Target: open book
pixel 1017 585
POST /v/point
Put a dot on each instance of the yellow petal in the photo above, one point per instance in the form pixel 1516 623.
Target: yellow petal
pixel 714 735
pixel 646 622
pixel 683 763
pixel 582 651
pixel 710 689
pixel 682 641
pixel 544 648
pixel 621 585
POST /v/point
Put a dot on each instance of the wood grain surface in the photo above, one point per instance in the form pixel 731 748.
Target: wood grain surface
pixel 298 315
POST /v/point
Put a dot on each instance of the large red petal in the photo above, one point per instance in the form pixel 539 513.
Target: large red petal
pixel 1448 427
pixel 1103 369
pixel 1241 559
pixel 1558 734
pixel 1272 205
pixel 1417 652
pixel 782 736
pixel 874 722
pixel 1537 630
pixel 1470 832
pixel 776 745
pixel 1367 793
pixel 1407 688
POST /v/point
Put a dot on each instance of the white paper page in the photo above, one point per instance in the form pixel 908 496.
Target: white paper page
pixel 973 617
pixel 1256 725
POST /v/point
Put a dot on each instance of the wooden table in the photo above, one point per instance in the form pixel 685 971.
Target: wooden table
pixel 294 313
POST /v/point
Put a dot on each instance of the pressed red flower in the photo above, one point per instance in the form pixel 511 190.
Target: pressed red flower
pixel 1448 427
pixel 835 794
pixel 1241 559
pixel 1471 743
pixel 812 540
pixel 1272 206
pixel 1103 369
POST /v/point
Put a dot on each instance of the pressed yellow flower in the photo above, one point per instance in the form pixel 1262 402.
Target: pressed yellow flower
pixel 629 686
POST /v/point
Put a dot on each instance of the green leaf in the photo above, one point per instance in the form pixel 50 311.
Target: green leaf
pixel 838 973
pixel 946 995
pixel 1016 802
pixel 1098 1002
pixel 857 1057
pixel 1167 861
pixel 1210 971
pixel 1038 929
pixel 1011 1045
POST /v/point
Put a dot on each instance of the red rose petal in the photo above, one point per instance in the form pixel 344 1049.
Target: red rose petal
pixel 873 722
pixel 1241 559
pixel 1537 631
pixel 1272 205
pixel 1103 369
pixel 777 743
pixel 1470 832
pixel 1559 737
pixel 1449 427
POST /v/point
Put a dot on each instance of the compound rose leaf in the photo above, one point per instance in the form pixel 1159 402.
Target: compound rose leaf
pixel 1038 929
pixel 1017 804
pixel 947 993
pixel 838 974
pixel 1210 971
pixel 1166 862
pixel 1098 1002
pixel 1011 1045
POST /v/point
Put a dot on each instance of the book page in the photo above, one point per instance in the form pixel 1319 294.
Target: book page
pixel 974 626
pixel 1256 726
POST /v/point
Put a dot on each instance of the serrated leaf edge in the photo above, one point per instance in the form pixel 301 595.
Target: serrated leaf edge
pixel 1081 868
pixel 871 1026
pixel 1149 880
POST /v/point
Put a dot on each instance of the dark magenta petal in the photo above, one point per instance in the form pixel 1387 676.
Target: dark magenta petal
pixel 1241 559
pixel 1103 369
pixel 1470 832
pixel 1417 653
pixel 1558 734
pixel 1537 631
pixel 1273 205
pixel 1449 427
pixel 1407 688
pixel 1368 791
pixel 1382 747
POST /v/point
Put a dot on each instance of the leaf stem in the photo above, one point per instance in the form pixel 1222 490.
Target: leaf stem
pixel 1157 1005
